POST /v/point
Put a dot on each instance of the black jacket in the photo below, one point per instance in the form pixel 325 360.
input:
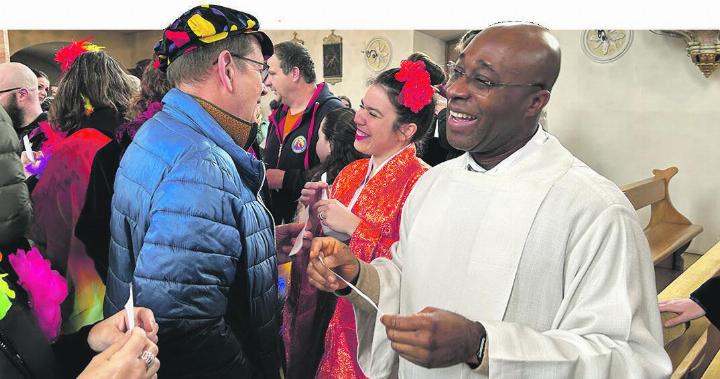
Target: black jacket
pixel 295 153
pixel 437 150
pixel 24 350
pixel 708 297
pixel 93 225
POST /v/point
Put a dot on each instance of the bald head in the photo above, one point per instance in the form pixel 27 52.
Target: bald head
pixel 502 85
pixel 526 51
pixel 22 104
pixel 15 74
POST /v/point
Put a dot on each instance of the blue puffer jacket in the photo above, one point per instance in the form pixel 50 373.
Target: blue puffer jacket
pixel 190 234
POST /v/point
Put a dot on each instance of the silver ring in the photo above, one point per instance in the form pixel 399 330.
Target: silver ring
pixel 322 215
pixel 148 358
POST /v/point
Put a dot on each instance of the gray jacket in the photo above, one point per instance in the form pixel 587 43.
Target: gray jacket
pixel 15 206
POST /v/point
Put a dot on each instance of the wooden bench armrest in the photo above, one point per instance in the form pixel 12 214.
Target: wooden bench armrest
pixel 644 192
pixel 663 211
pixel 665 239
pixel 668 230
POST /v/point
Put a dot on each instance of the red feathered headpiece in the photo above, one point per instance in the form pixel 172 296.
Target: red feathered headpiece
pixel 67 55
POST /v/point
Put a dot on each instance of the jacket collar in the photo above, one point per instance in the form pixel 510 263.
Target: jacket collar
pixel 184 107
pixel 104 119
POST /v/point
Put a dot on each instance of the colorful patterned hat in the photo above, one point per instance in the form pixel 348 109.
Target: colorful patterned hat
pixel 203 25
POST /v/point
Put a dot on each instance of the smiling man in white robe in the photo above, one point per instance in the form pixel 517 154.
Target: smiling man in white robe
pixel 515 260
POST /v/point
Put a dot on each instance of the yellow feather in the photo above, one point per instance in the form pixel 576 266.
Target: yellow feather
pixel 92 47
pixel 89 109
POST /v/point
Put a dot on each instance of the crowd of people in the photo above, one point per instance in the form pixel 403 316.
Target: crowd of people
pixel 435 231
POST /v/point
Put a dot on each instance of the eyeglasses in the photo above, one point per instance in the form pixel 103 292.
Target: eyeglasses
pixel 456 72
pixel 11 89
pixel 264 72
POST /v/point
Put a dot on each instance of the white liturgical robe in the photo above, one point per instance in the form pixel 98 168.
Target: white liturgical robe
pixel 546 254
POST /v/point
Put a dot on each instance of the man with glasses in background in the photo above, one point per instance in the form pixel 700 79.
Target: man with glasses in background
pixel 188 230
pixel 19 96
pixel 293 134
pixel 515 259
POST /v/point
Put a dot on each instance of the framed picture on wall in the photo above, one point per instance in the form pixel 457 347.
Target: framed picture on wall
pixel 332 58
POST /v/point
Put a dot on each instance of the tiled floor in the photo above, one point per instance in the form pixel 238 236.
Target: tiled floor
pixel 664 275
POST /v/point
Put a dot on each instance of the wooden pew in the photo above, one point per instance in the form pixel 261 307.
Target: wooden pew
pixel 713 370
pixel 668 231
pixel 692 348
pixel 699 360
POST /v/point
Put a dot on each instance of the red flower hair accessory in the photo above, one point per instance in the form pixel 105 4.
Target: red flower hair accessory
pixel 417 92
pixel 66 56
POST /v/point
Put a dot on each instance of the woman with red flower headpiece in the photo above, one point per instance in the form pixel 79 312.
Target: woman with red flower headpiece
pixel 92 99
pixel 364 206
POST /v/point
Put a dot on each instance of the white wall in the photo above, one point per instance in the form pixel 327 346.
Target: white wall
pixel 433 47
pixel 650 109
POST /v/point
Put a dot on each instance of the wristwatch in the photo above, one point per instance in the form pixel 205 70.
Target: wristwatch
pixel 480 353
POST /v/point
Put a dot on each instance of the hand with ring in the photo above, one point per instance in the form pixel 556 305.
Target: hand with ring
pixel 113 328
pixel 134 356
pixel 336 216
pixel 148 358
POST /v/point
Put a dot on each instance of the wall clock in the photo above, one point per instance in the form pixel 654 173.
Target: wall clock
pixel 377 53
pixel 604 45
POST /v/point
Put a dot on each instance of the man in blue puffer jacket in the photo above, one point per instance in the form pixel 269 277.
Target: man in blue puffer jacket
pixel 187 228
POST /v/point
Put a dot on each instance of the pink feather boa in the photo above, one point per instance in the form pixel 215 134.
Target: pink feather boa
pixel 46 287
pixel 130 128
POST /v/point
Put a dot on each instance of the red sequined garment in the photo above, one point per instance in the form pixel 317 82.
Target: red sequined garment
pixel 379 207
pixel 58 199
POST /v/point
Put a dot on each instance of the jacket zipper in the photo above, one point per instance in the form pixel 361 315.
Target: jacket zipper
pixel 277 163
pixel 267 211
pixel 15 358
